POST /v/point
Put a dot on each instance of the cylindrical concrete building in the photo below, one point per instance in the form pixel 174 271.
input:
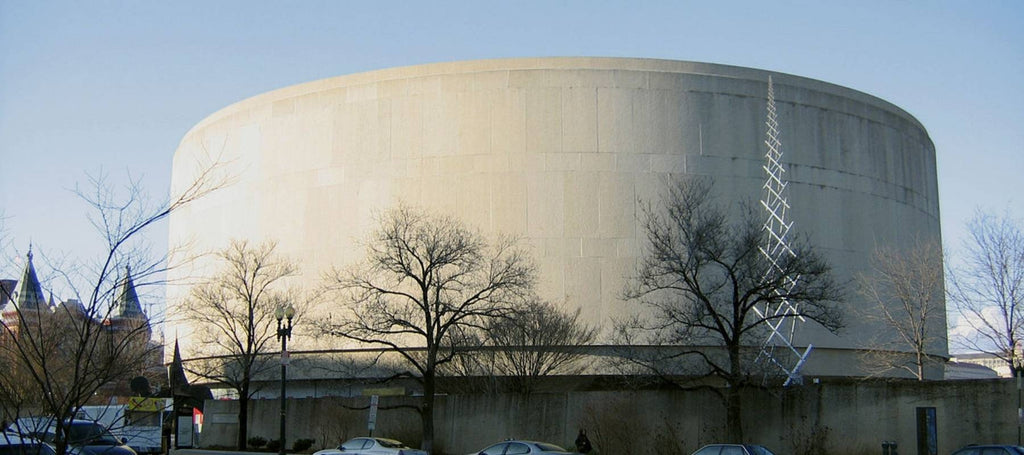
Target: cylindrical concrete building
pixel 560 151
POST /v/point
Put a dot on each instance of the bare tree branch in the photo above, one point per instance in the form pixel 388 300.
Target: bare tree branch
pixel 987 289
pixel 701 280
pixel 63 356
pixel 539 339
pixel 233 318
pixel 427 282
pixel 908 293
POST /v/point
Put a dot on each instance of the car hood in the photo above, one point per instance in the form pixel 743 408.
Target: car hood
pixel 105 450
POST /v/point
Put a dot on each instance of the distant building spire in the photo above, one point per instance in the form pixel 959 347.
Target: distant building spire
pixel 176 373
pixel 30 293
pixel 126 312
pixel 127 305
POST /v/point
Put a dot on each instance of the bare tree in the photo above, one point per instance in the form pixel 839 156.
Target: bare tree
pixel 700 282
pixel 67 355
pixel 232 316
pixel 539 339
pixel 908 293
pixel 429 283
pixel 987 288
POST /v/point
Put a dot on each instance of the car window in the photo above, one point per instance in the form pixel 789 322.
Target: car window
pixel 732 450
pixel 517 448
pixel 759 450
pixel 496 449
pixel 994 451
pixel 90 434
pixel 709 450
pixel 354 444
pixel 549 447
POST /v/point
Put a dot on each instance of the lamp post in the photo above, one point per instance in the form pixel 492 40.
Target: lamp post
pixel 284 332
pixel 1018 373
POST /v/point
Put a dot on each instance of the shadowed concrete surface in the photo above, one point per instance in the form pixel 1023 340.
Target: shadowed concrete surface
pixel 848 417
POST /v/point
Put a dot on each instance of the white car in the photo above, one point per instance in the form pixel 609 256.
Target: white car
pixel 733 449
pixel 520 447
pixel 371 446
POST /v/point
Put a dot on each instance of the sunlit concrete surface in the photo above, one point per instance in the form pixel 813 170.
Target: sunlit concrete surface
pixel 560 151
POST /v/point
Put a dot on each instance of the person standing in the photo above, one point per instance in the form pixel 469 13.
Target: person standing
pixel 583 442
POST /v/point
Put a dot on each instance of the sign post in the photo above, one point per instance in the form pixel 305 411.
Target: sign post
pixel 374 401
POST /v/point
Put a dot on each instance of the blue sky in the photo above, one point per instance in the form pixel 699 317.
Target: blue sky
pixel 90 87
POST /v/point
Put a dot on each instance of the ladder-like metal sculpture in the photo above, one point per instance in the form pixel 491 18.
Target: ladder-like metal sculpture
pixel 783 316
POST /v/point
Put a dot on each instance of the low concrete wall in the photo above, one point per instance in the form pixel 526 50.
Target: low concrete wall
pixel 851 418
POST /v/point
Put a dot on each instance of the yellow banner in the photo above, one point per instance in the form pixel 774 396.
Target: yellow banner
pixel 145 404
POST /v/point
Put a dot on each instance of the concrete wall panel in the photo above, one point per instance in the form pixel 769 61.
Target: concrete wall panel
pixel 846 418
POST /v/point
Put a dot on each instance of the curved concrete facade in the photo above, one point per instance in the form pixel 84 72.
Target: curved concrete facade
pixel 559 151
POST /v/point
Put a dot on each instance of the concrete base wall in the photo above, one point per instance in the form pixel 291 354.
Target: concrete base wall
pixel 831 418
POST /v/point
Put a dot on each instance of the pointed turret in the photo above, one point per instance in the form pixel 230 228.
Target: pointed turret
pixel 126 312
pixel 127 305
pixel 27 305
pixel 29 295
pixel 176 373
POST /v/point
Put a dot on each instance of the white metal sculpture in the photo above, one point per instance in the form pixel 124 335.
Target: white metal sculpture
pixel 778 348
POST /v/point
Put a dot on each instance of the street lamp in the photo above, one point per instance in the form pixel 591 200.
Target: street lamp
pixel 1018 372
pixel 284 332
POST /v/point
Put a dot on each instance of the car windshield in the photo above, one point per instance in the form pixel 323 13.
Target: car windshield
pixel 549 447
pixel 90 434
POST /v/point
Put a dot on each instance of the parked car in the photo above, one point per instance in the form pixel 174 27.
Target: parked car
pixel 13 444
pixel 734 449
pixel 84 437
pixel 520 447
pixel 371 446
pixel 990 449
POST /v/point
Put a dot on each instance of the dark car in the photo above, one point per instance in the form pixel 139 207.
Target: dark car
pixel 84 438
pixel 990 449
pixel 734 449
pixel 12 444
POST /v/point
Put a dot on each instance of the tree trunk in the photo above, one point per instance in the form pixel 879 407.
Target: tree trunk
pixel 243 416
pixel 733 409
pixel 427 412
pixel 733 402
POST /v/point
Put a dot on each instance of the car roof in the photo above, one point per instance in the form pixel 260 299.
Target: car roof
pixel 528 441
pixel 732 444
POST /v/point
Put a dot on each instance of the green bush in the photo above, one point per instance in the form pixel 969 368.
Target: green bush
pixel 257 442
pixel 274 445
pixel 301 445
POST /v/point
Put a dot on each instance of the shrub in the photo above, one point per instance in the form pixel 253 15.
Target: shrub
pixel 274 445
pixel 257 442
pixel 301 445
